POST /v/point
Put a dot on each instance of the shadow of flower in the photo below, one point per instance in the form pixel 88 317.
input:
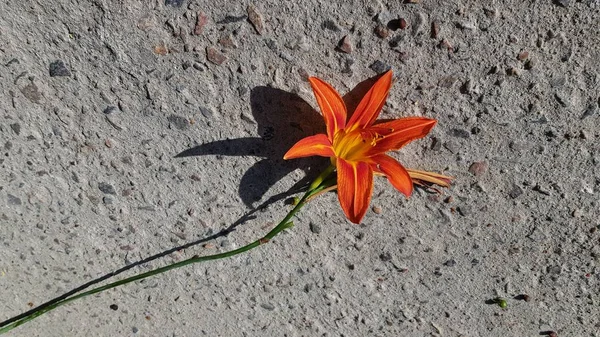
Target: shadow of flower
pixel 281 118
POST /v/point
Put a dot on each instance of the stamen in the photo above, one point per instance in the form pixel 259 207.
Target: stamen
pixel 354 144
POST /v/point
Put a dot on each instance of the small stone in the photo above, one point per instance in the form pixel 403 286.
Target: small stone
pixel 161 49
pixel 403 24
pixel 395 41
pixel 385 257
pixel 135 330
pixel 12 61
pixel 380 67
pixel 523 55
pixel 32 93
pixel 590 111
pixel 435 29
pixel 206 112
pixel 302 43
pixel 529 64
pixel 577 213
pixel 198 66
pixel 13 200
pixel 404 56
pixel 555 270
pixel 303 74
pixel 447 81
pixel 419 24
pixel 114 122
pixel 552 334
pixel 114 307
pixel 467 87
pixel 232 19
pixel 228 41
pixel 110 109
pixel 541 190
pixel 567 57
pixel 16 127
pixel 107 188
pixel 382 31
pixel 108 200
pixel 315 228
pixel 491 12
pixel 513 71
pixel 201 21
pixel 268 306
pixel 436 144
pixel 330 25
pixel 451 146
pixel 463 210
pixel 272 44
pixel 460 133
pixel 478 168
pixel 562 98
pixel 466 25
pixel 445 44
pixel 377 209
pixel 450 263
pixel 215 56
pixel 345 45
pixel 558 81
pixel 174 3
pixel 58 68
pixel 562 3
pixel 348 65
pixel 255 18
pixel 145 22
pixel 179 122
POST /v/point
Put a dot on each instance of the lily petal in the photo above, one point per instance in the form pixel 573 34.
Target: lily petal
pixel 317 145
pixel 395 172
pixel 369 107
pixel 399 132
pixel 331 104
pixel 355 186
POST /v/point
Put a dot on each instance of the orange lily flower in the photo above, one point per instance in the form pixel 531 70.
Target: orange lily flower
pixel 357 146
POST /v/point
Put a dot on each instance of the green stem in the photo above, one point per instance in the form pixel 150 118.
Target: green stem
pixel 316 186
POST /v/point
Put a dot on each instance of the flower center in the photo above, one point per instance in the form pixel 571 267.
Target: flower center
pixel 354 145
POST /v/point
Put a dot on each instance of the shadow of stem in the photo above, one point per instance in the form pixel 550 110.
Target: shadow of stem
pixel 299 187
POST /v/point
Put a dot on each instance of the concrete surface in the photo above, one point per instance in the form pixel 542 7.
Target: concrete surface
pixel 98 97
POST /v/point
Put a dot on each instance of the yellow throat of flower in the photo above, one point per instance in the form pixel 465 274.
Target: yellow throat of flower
pixel 354 145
